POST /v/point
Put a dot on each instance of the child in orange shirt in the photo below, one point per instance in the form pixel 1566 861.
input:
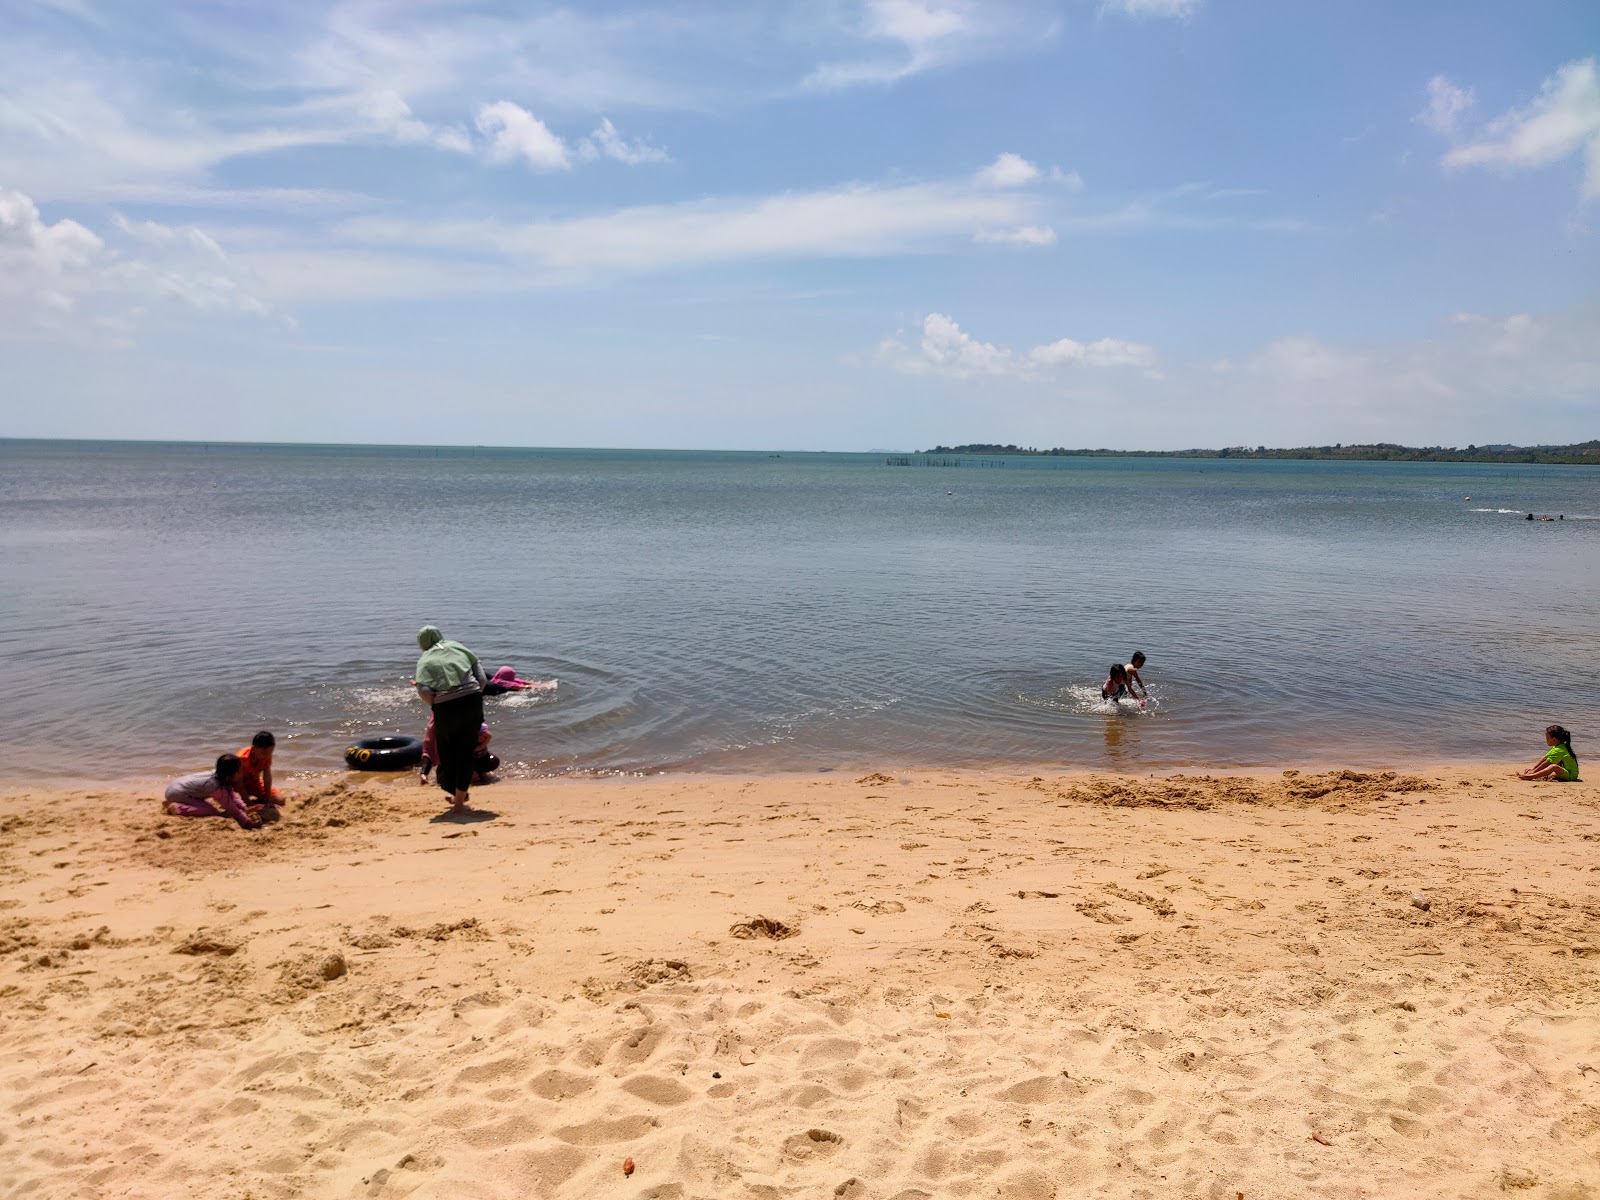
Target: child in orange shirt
pixel 255 777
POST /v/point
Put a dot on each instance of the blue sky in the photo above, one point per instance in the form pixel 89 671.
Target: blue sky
pixel 834 225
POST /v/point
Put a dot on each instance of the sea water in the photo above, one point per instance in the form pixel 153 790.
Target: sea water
pixel 159 603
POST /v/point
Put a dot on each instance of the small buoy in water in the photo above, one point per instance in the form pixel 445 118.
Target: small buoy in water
pixel 951 492
pixel 1468 497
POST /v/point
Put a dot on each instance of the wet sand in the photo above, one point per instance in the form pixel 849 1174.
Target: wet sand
pixel 1335 984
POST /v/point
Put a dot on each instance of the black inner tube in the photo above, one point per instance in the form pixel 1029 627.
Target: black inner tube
pixel 387 753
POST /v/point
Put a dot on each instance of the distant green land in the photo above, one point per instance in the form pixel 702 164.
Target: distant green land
pixel 1580 453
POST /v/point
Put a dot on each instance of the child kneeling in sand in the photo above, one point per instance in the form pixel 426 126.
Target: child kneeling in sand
pixel 1559 762
pixel 191 795
pixel 255 776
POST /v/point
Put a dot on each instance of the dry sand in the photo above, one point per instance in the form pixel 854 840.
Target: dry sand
pixel 1334 985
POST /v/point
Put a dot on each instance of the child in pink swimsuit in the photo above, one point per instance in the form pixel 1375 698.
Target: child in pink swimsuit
pixel 505 680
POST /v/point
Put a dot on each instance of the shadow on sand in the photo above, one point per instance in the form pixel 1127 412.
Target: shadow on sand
pixel 466 816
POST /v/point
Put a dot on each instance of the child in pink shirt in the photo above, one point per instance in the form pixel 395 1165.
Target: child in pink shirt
pixel 212 794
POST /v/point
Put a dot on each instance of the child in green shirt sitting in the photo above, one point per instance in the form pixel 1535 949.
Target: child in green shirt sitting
pixel 1558 762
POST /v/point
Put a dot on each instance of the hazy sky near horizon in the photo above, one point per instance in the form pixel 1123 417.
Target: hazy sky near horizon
pixel 836 224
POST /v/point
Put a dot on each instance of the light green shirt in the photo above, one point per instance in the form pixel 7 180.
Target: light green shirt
pixel 1562 757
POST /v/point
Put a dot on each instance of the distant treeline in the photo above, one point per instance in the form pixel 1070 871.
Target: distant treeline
pixel 1583 453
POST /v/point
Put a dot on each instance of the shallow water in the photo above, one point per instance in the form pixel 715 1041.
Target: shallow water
pixel 160 602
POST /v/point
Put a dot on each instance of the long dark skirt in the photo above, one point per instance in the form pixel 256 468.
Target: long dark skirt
pixel 455 725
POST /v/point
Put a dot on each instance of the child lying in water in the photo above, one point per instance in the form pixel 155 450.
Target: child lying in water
pixel 505 680
pixel 191 795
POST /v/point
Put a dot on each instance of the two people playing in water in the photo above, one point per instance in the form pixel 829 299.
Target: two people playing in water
pixel 1123 682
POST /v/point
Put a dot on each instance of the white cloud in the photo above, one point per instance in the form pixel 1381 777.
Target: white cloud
pixel 850 221
pixel 1524 377
pixel 389 115
pixel 1300 389
pixel 48 271
pixel 1446 103
pixel 1107 352
pixel 1022 235
pixel 514 133
pixel 915 22
pixel 948 350
pixel 921 31
pixel 1009 170
pixel 607 142
pixel 1177 9
pixel 29 247
pixel 1562 120
pixel 847 221
pixel 1300 360
pixel 923 35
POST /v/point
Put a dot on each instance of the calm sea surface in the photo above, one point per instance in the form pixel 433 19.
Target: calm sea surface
pixel 748 612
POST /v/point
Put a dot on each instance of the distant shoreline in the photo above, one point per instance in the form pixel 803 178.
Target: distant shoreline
pixel 1583 454
pixel 1577 454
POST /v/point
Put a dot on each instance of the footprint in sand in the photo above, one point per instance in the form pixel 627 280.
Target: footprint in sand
pixel 813 1143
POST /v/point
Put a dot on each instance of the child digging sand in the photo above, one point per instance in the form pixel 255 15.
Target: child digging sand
pixel 255 775
pixel 192 795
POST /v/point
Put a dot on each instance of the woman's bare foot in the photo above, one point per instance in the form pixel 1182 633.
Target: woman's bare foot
pixel 458 802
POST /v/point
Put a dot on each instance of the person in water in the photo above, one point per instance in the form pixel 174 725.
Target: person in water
pixel 1135 684
pixel 1116 685
pixel 1559 762
pixel 255 775
pixel 483 762
pixel 505 680
pixel 451 681
pixel 212 794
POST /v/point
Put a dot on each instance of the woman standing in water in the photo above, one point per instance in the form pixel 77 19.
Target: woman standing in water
pixel 451 681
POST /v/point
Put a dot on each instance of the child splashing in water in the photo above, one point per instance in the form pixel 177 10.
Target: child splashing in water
pixel 1117 687
pixel 1136 685
pixel 1559 762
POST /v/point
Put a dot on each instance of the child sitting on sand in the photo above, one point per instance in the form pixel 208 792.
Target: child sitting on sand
pixel 1559 762
pixel 190 795
pixel 255 776
pixel 483 763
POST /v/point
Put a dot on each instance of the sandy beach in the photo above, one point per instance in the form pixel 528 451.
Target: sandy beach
pixel 1328 984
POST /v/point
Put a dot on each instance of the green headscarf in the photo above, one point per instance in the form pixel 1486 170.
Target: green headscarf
pixel 443 664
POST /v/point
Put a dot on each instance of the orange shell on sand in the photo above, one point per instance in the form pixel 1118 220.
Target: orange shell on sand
pixel 627 1166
